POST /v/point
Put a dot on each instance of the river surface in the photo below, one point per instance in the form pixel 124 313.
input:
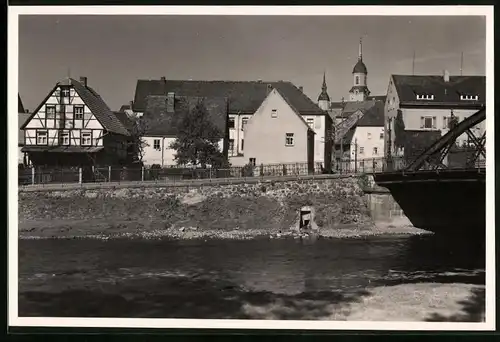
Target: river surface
pixel 219 279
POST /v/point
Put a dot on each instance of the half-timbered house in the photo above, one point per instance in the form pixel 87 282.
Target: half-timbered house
pixel 73 126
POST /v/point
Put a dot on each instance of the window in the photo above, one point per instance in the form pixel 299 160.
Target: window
pixel 357 80
pixel 86 139
pixel 242 143
pixel 317 123
pixel 428 122
pixel 231 146
pixel 156 144
pixel 274 113
pixel 369 135
pixel 41 137
pixel 310 122
pixel 244 121
pixel 381 135
pixel 375 151
pixel 65 92
pixel 361 150
pixel 78 111
pixel 50 110
pixel 425 97
pixel 231 123
pixel 289 139
pixel 362 164
pixel 469 97
pixel 64 138
pixel 252 161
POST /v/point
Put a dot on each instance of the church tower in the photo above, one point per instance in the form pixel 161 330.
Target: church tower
pixel 359 90
pixel 323 98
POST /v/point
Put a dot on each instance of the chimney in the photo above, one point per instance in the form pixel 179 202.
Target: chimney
pixel 170 102
pixel 301 88
pixel 83 81
pixel 446 76
pixel 131 103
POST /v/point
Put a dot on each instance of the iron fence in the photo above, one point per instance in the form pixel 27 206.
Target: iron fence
pixel 38 175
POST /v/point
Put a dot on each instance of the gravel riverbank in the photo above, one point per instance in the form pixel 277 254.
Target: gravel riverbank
pixel 229 212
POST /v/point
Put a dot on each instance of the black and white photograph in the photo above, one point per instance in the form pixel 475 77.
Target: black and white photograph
pixel 315 167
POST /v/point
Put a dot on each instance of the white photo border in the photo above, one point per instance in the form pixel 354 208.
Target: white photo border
pixel 13 20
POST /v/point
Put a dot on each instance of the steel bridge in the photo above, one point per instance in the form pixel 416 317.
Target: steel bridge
pixel 443 189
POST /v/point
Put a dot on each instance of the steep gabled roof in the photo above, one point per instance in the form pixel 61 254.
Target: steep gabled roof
pixel 125 120
pixel 123 108
pixel 96 104
pixel 373 117
pixel 20 107
pixel 159 122
pixel 243 96
pixel 294 110
pixel 445 93
pixel 99 108
pixel 354 106
pixel 21 119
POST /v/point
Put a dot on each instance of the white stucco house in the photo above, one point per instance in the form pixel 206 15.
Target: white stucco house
pixel 243 100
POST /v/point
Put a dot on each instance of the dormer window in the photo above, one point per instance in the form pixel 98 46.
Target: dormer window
pixel 469 97
pixel 425 97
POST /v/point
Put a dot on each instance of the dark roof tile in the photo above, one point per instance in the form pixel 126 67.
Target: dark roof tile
pixel 243 96
pixel 445 93
pixel 124 108
pixel 22 118
pixel 374 116
pixel 99 108
pixel 20 107
pixel 159 122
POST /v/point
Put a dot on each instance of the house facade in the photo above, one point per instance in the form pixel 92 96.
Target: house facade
pixel 23 115
pixel 367 141
pixel 243 100
pixel 278 134
pixel 73 126
pixel 160 124
pixel 426 103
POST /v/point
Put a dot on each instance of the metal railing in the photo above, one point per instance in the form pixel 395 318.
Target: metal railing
pixel 33 176
pixel 39 175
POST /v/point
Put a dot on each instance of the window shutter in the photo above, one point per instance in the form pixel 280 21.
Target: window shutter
pixel 422 124
pixel 433 122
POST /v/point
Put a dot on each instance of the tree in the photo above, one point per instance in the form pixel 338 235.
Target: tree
pixel 197 140
pixel 399 130
pixel 137 144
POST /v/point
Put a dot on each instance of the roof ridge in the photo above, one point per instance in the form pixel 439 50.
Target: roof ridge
pixel 225 81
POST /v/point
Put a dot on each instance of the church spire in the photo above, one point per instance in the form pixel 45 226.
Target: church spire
pixel 360 55
pixel 324 98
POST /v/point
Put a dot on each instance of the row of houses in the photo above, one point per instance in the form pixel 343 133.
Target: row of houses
pixel 259 122
pixel 415 111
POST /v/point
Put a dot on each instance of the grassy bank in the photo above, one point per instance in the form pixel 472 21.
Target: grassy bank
pixel 239 211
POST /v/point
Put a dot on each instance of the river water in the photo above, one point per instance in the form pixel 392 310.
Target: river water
pixel 216 279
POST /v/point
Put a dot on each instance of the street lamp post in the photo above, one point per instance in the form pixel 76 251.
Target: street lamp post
pixel 356 155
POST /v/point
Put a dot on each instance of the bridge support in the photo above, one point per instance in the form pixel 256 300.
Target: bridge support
pixel 443 202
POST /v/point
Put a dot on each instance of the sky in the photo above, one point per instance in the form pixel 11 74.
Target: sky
pixel 113 52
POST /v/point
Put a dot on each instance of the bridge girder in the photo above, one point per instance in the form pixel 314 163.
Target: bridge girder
pixel 433 157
